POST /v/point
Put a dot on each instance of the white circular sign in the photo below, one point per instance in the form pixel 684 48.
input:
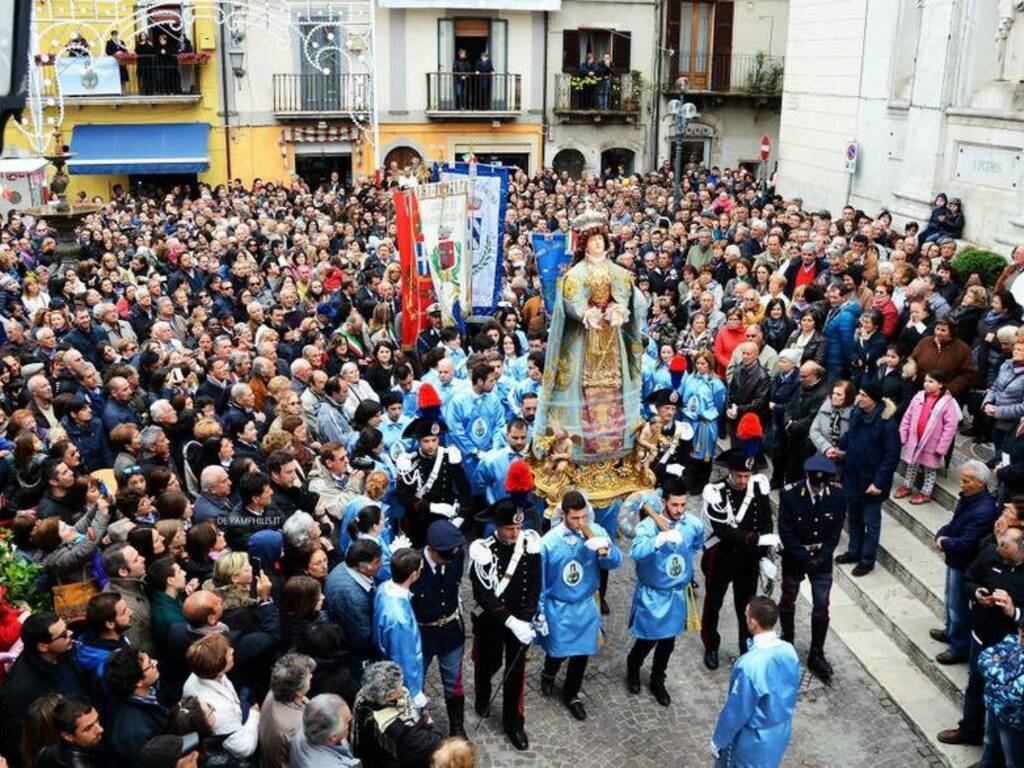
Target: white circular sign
pixel 674 566
pixel 572 573
pixel 479 428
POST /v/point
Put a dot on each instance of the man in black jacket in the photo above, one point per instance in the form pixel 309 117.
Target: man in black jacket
pixel 136 715
pixel 800 413
pixel 44 666
pixel 78 724
pixel 995 585
pixel 749 390
pixel 289 493
pixel 253 512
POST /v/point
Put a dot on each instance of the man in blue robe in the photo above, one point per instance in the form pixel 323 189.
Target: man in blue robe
pixel 395 631
pixel 573 554
pixel 409 389
pixel 664 569
pixel 393 424
pixel 475 416
pixel 757 719
pixel 493 465
pixel 531 384
pixel 442 378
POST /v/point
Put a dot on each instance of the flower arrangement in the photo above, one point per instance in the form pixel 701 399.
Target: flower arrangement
pixel 126 57
pixel 194 57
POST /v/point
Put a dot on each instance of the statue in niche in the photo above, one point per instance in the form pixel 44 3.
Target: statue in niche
pixel 1007 15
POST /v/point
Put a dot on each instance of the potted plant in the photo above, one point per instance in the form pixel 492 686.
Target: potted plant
pixel 766 75
pixel 631 99
pixel 194 58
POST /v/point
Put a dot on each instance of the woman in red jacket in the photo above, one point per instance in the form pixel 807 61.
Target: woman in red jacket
pixel 730 336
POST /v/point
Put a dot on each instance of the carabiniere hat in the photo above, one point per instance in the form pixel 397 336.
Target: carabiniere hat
pixel 737 460
pixel 502 512
pixel 660 397
pixel 421 427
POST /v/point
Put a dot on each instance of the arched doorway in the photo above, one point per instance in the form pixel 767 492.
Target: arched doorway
pixel 402 157
pixel 571 161
pixel 617 161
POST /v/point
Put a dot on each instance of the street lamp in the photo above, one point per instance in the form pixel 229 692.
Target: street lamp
pixel 682 112
pixel 15 25
pixel 236 55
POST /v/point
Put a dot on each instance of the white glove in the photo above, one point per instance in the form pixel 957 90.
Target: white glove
pixel 524 633
pixel 615 315
pixel 675 469
pixel 420 700
pixel 769 540
pixel 401 542
pixel 768 569
pixel 597 543
pixel 671 536
pixel 541 625
pixel 446 510
pixel 457 522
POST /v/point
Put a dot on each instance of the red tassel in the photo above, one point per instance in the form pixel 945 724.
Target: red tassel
pixel 677 365
pixel 519 478
pixel 749 427
pixel 428 397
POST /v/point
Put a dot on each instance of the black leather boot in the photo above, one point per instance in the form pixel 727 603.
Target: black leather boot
pixel 456 707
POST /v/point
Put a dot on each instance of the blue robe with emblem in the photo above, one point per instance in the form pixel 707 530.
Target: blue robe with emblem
pixel 397 635
pixel 702 401
pixel 571 576
pixel 474 421
pixel 756 721
pixel 491 470
pixel 392 431
pixel 662 574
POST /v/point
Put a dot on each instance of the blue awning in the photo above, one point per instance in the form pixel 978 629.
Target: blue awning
pixel 140 148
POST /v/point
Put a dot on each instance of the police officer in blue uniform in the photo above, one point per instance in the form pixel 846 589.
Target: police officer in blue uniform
pixel 431 481
pixel 664 569
pixel 506 576
pixel 741 541
pixel 574 552
pixel 435 601
pixel 810 520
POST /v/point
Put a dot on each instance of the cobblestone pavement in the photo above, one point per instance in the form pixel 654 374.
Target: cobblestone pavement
pixel 852 723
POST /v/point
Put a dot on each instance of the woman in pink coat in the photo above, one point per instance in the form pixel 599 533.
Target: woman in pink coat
pixel 927 432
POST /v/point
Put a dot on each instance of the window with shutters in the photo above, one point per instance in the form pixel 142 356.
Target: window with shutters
pixel 694 50
pixel 577 44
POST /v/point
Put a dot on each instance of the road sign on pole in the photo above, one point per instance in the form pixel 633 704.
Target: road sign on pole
pixel 766 147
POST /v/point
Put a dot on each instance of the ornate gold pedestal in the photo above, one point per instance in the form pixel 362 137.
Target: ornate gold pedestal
pixel 601 482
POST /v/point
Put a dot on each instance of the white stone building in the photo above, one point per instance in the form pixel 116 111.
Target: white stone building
pixel 930 91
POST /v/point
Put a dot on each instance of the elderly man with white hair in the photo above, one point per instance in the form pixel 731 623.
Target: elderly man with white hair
pixel 214 499
pixel 301 371
pixel 322 742
pixel 959 541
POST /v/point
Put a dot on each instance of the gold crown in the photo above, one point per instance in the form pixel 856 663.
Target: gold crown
pixel 590 219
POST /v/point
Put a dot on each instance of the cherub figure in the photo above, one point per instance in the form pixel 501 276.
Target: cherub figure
pixel 556 471
pixel 646 448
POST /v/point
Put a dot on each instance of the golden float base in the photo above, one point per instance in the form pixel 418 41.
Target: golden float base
pixel 601 482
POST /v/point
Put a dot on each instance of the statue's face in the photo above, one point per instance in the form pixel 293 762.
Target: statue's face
pixel 595 244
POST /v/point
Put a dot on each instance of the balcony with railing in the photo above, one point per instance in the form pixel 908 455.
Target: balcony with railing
pixel 597 99
pixel 115 81
pixel 755 75
pixel 316 95
pixel 489 96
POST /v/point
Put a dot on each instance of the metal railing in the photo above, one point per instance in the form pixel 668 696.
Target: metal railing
pixel 616 94
pixel 754 74
pixel 470 92
pixel 141 77
pixel 317 94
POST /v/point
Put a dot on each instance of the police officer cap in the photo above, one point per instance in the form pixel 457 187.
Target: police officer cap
pixel 434 309
pixel 737 460
pixel 502 512
pixel 443 536
pixel 660 397
pixel 390 398
pixel 420 427
pixel 819 463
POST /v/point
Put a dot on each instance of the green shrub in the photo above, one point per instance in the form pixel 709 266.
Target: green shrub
pixel 19 575
pixel 987 264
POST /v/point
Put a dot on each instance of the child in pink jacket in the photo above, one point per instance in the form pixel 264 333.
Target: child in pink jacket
pixel 927 432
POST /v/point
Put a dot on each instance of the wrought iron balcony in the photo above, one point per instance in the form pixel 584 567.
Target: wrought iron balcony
pixel 755 75
pixel 317 95
pixel 491 96
pixel 597 98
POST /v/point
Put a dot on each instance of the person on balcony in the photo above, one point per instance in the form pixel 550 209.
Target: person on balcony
pixel 144 66
pixel 589 71
pixel 462 69
pixel 604 88
pixel 114 46
pixel 484 77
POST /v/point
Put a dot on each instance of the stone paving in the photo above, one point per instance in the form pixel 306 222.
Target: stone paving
pixel 852 723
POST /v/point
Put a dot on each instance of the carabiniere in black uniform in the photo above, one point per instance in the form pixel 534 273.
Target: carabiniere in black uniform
pixel 811 516
pixel 506 579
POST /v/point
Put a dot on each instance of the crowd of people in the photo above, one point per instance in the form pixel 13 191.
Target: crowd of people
pixel 254 508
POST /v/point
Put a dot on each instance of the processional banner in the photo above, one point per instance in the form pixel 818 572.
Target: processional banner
pixel 417 288
pixel 444 224
pixel 553 257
